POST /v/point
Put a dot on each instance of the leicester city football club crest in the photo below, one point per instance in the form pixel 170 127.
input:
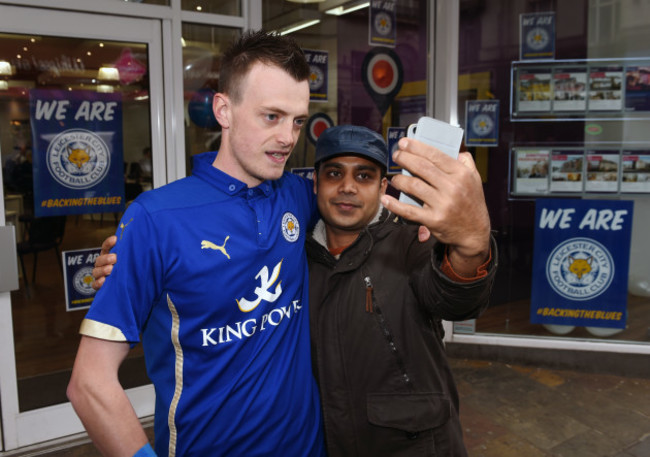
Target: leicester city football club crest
pixel 290 227
pixel 482 125
pixel 580 269
pixel 383 23
pixel 537 38
pixel 83 281
pixel 78 159
pixel 316 78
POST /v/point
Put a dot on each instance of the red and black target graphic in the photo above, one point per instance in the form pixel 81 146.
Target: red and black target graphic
pixel 316 125
pixel 382 76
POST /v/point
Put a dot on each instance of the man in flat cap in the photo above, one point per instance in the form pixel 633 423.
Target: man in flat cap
pixel 378 295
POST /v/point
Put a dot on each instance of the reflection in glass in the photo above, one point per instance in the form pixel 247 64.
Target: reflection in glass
pixel 598 30
pixel 202 48
pixel 226 7
pixel 149 2
pixel 45 333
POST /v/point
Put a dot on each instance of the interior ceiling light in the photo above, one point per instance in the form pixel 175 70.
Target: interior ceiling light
pixel 108 74
pixel 5 68
pixel 298 26
pixel 348 8
pixel 293 20
pixel 305 1
pixel 105 88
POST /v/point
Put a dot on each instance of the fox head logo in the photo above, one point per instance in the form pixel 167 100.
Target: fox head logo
pixel 78 156
pixel 580 267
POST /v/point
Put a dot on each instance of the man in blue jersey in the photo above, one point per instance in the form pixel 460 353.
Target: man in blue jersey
pixel 213 281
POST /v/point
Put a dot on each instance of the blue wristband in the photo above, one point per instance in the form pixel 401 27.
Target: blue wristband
pixel 145 451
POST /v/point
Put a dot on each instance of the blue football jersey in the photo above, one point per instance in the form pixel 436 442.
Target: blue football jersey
pixel 212 277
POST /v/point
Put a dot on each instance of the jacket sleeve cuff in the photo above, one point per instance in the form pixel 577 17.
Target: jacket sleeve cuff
pixel 448 270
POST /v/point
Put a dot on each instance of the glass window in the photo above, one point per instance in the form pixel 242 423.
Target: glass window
pixel 149 2
pixel 369 65
pixel 75 142
pixel 202 48
pixel 572 86
pixel 227 7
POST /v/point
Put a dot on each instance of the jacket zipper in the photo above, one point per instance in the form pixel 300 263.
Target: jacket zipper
pixel 371 307
pixel 368 294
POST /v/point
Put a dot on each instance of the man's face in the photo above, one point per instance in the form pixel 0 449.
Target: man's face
pixel 348 189
pixel 262 128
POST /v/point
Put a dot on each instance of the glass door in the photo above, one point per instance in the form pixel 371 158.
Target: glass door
pixel 80 118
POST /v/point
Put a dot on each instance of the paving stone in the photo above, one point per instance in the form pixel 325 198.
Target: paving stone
pixel 548 378
pixel 510 445
pixel 544 427
pixel 610 418
pixel 588 444
pixel 557 412
pixel 478 428
pixel 641 449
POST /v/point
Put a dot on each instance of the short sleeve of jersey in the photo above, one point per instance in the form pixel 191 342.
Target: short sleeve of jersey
pixel 121 307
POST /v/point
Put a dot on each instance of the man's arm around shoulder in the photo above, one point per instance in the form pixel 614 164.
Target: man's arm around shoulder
pixel 100 401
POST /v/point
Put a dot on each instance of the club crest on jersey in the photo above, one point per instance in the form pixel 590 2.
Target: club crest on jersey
pixel 290 227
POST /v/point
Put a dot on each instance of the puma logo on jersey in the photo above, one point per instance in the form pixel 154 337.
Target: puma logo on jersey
pixel 205 244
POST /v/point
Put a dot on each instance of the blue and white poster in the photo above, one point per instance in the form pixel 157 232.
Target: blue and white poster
pixel 580 262
pixel 482 123
pixel 318 70
pixel 392 138
pixel 78 277
pixel 305 172
pixel 382 27
pixel 537 36
pixel 77 152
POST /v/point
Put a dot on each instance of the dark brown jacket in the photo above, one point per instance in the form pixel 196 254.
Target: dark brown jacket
pixel 377 349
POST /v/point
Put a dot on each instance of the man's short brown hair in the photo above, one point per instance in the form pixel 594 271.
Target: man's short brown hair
pixel 260 46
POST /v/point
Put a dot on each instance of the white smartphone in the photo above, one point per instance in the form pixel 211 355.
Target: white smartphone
pixel 441 135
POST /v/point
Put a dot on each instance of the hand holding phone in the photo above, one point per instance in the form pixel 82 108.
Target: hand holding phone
pixel 441 135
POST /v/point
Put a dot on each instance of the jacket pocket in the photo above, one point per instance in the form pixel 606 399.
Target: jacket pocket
pixel 410 412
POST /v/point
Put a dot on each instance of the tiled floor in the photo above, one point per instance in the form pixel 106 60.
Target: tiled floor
pixel 517 411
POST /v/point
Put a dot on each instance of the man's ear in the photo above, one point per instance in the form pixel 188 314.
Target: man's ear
pixel 383 185
pixel 221 109
pixel 315 183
